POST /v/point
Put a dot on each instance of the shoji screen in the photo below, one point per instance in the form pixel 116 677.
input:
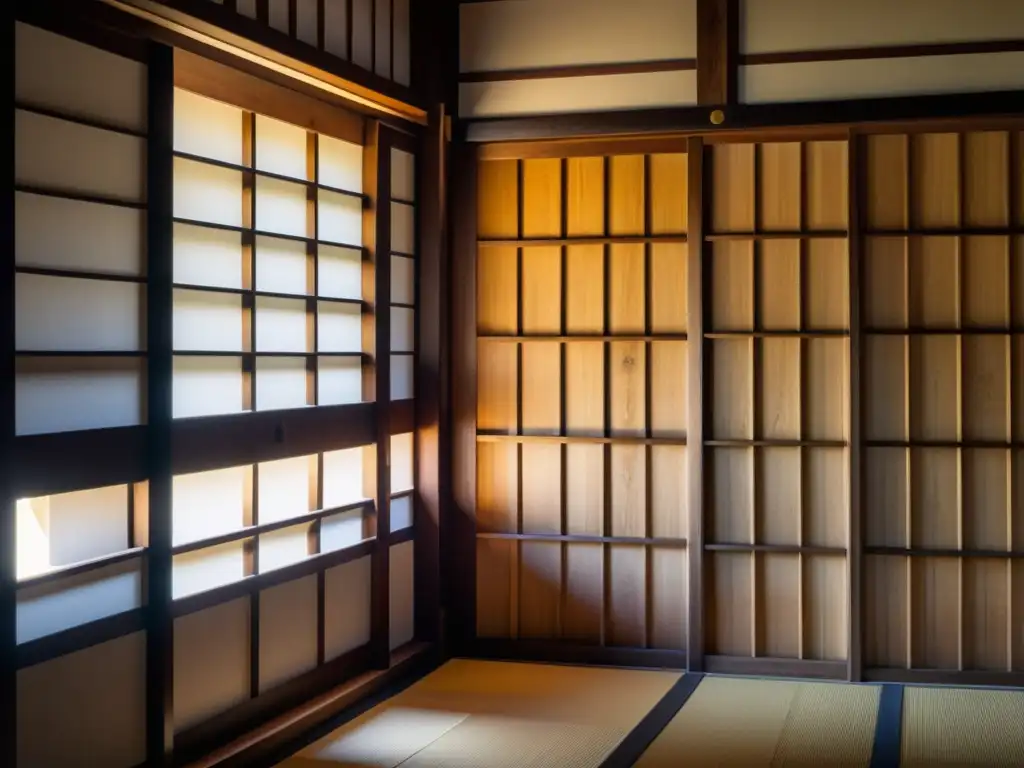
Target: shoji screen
pixel 581 400
pixel 80 339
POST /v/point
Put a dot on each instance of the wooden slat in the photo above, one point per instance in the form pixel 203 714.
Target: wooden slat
pixel 855 217
pixel 695 289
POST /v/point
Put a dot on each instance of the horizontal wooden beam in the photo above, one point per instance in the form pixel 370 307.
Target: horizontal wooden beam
pixel 771 667
pixel 781 549
pixel 609 145
pixel 579 439
pixel 557 652
pixel 996 554
pixel 78 638
pixel 579 70
pixel 958 677
pixel 883 52
pixel 582 538
pixel 547 242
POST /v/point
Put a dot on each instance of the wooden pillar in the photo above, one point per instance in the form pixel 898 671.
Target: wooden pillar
pixel 717 51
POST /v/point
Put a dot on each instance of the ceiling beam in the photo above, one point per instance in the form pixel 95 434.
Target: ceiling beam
pixel 717 51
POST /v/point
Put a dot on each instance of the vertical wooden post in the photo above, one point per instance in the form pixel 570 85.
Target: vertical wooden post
pixel 695 399
pixel 717 51
pixel 855 541
pixel 159 302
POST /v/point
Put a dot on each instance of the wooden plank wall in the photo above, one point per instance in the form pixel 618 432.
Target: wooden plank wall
pixel 862 325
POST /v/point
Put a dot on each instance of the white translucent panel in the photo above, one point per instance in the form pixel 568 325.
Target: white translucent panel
pixel 346 607
pixel 207 569
pixel 79 599
pixel 207 386
pixel 280 207
pixel 340 164
pixel 402 377
pixel 339 218
pixel 85 709
pixel 403 329
pixel 340 327
pixel 284 488
pixel 402 594
pixel 362 33
pixel 288 631
pixel 63 395
pixel 283 548
pixel 280 325
pixel 205 256
pixel 402 42
pixel 207 321
pixel 69 234
pixel 343 477
pixel 282 266
pixel 247 8
pixel 278 14
pixel 207 193
pixel 382 38
pixel 401 513
pixel 69 313
pixel 403 280
pixel 403 228
pixel 74 78
pixel 306 21
pixel 335 36
pixel 67 528
pixel 205 504
pixel 211 662
pixel 280 383
pixel 340 272
pixel 401 462
pixel 403 175
pixel 344 530
pixel 70 157
pixel 280 148
pixel 207 128
pixel 339 380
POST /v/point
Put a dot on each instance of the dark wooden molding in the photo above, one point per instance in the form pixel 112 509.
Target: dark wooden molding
pixel 955 677
pixel 611 145
pixel 717 51
pixel 781 549
pixel 996 554
pixel 751 117
pixel 78 569
pixel 882 52
pixel 559 652
pixel 582 538
pixel 770 667
pixel 579 70
pixel 81 637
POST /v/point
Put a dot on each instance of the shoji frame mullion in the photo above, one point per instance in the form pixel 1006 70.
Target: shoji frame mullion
pixel 961 158
pixel 802 373
pixel 756 405
pixel 515 620
pixel 313 269
pixel 249 261
pixel 606 518
pixel 1013 405
pixel 563 424
pixel 855 189
pixel 648 552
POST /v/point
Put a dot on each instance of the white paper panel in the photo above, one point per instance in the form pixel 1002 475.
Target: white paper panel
pixel 53 395
pixel 347 608
pixel 541 33
pixel 400 585
pixel 401 377
pixel 340 219
pixel 800 25
pixel 207 128
pixel 382 38
pixel 362 33
pixel 85 709
pixel 211 662
pixel 340 164
pixel 280 325
pixel 207 321
pixel 279 15
pixel 288 627
pixel 403 228
pixel 71 77
pixel 206 569
pixel 65 313
pixel 280 207
pixel 340 328
pixel 335 35
pixel 82 525
pixel 403 280
pixel 578 94
pixel 865 78
pixel 206 386
pixel 401 513
pixel 401 462
pixel 401 42
pixel 205 256
pixel 284 488
pixel 69 157
pixel 205 504
pixel 339 381
pixel 68 234
pixel 306 20
pixel 280 383
pixel 342 530
pixel 281 266
pixel 283 548
pixel 403 175
pixel 340 272
pixel 207 193
pixel 280 147
pixel 79 599
pixel 403 329
pixel 343 477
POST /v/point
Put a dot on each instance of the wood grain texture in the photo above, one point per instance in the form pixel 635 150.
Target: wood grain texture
pixel 498 199
pixel 497 491
pixel 585 196
pixel 732 398
pixel 541 402
pixel 584 563
pixel 669 596
pixel 986 511
pixel 826 282
pixel 540 562
pixel 779 283
pixel 826 389
pixel 779 605
pixel 626 195
pixel 627 388
pixel 542 195
pixel 886 611
pixel 986 387
pixel 935 613
pixel 584 388
pixel 732 188
pixel 887 158
pixel 886 388
pixel 627 604
pixel 668 388
pixel 585 289
pixel 732 281
pixel 1016 614
pixel 779 384
pixel 986 274
pixel 730 620
pixel 496 290
pixel 496 388
pixel 778 496
pixel 886 497
pixel 542 290
pixel 717 51
pixel 496 587
pixel 731 502
pixel 826 184
pixel 668 288
pixel 935 498
pixel 933 287
pixel 825 618
pixel 778 194
pixel 987 629
pixel 668 194
pixel 885 282
pixel 934 388
pixel 626 286
pixel 826 500
pixel 986 178
pixel 936 181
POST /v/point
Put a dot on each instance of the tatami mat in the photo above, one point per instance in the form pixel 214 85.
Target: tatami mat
pixel 499 715
pixel 752 723
pixel 959 726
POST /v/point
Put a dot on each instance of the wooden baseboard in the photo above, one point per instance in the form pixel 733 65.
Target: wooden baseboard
pixel 769 667
pixel 965 678
pixel 558 652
